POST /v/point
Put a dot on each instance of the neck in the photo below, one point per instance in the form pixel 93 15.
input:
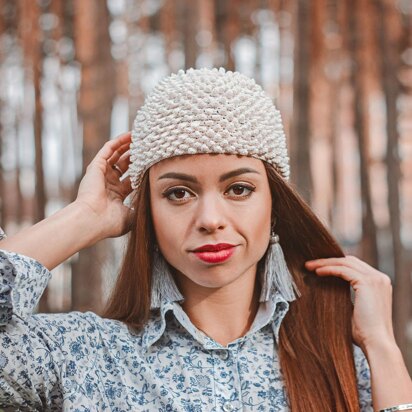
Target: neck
pixel 224 314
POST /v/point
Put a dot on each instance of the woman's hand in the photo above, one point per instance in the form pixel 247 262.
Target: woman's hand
pixel 372 314
pixel 103 193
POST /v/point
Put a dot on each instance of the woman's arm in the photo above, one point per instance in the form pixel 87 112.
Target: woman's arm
pixel 97 213
pixel 391 384
pixel 56 238
pixel 372 327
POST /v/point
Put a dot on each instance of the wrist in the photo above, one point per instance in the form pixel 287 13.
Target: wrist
pixel 388 345
pixel 390 381
pixel 383 341
pixel 87 222
pixel 383 350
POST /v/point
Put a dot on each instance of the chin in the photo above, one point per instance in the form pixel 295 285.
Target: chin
pixel 215 280
pixel 213 277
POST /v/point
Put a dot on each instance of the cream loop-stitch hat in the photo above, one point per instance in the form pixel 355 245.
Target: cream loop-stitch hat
pixel 206 111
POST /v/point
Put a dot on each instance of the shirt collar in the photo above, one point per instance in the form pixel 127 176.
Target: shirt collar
pixel 272 311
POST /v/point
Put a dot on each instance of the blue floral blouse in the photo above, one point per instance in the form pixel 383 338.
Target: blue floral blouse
pixel 81 362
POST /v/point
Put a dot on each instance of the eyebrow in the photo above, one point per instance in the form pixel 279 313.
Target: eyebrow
pixel 190 178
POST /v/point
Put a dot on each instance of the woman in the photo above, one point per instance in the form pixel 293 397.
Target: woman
pixel 208 312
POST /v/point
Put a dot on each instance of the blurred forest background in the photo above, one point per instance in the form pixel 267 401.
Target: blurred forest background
pixel 74 72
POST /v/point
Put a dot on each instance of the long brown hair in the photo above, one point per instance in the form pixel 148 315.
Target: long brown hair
pixel 315 341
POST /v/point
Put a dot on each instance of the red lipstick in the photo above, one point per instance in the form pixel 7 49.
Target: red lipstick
pixel 215 253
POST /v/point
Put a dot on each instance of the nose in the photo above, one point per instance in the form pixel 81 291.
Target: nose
pixel 210 213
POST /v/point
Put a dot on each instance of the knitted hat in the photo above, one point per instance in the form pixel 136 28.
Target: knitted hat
pixel 206 111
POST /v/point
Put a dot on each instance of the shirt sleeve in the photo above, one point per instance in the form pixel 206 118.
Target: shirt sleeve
pixel 30 360
pixel 363 377
pixel 44 358
pixel 22 282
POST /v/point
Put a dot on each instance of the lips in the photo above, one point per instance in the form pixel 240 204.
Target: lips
pixel 215 253
pixel 214 248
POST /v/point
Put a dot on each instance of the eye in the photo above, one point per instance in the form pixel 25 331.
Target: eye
pixel 177 192
pixel 239 190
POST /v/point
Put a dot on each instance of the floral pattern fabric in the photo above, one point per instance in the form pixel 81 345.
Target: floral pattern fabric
pixel 81 362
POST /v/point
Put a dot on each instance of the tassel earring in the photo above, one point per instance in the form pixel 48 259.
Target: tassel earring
pixel 276 275
pixel 163 285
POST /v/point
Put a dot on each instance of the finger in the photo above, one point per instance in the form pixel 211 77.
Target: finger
pixel 120 167
pixel 121 187
pixel 111 146
pixel 325 261
pixel 349 261
pixel 114 170
pixel 118 153
pixel 363 265
pixel 124 162
pixel 342 272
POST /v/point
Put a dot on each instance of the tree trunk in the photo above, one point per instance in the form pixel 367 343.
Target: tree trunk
pixel 31 36
pixel 389 64
pixel 283 8
pixel 231 31
pixel 136 57
pixel 92 41
pixel 207 22
pixel 300 130
pixel 190 11
pixel 334 61
pixel 168 29
pixel 369 236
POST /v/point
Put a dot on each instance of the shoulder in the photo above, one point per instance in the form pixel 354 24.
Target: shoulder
pixel 63 331
pixel 98 332
pixel 72 323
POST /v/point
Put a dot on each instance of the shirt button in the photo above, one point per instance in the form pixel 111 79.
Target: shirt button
pixel 228 407
pixel 224 354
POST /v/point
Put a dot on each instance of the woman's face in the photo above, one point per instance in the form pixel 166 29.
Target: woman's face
pixel 207 199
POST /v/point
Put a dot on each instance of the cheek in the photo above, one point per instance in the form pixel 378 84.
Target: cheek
pixel 168 227
pixel 158 218
pixel 260 234
pixel 261 225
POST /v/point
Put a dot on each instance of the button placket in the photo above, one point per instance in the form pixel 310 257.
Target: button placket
pixel 227 383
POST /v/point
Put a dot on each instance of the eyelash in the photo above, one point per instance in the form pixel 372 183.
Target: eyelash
pixel 167 193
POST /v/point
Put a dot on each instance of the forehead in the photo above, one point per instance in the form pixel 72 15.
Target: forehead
pixel 213 164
